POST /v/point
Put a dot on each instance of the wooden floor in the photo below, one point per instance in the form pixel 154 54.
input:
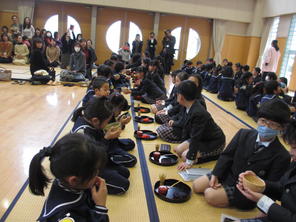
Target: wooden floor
pixel 30 118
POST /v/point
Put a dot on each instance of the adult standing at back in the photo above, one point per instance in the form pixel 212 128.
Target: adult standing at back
pixel 137 45
pixel 271 59
pixel 28 29
pixel 151 45
pixel 168 50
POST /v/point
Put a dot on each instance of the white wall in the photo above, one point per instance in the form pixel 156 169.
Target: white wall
pixel 284 26
pixel 279 7
pixel 233 10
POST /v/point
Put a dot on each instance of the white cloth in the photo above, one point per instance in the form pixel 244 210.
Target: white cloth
pixel 218 38
pixel 26 9
pixel 271 58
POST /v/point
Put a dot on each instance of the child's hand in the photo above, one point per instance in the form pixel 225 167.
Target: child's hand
pixel 125 119
pixel 251 195
pixel 100 196
pixel 171 122
pixel 214 182
pixel 113 133
pixel 161 112
pixel 154 109
pixel 183 166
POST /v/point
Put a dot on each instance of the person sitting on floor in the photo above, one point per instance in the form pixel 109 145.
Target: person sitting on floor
pixel 258 150
pixel 40 71
pixel 282 190
pixel 77 65
pixel 254 101
pixel 256 75
pixel 203 138
pixel 6 47
pixel 244 91
pixel 214 82
pixel 53 53
pixel 21 52
pixel 77 192
pixel 225 92
pixel 271 90
pixel 91 120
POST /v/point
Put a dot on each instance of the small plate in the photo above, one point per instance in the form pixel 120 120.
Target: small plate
pixel 142 109
pixel 152 135
pixel 166 158
pixel 144 119
pixel 180 193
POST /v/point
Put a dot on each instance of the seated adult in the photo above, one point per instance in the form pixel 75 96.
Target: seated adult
pixel 40 71
pixel 5 49
pixel 77 70
pixel 21 52
pixel 257 150
pixel 53 53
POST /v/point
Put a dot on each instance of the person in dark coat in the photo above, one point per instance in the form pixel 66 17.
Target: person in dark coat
pixel 203 138
pixel 137 45
pixel 258 150
pixel 38 62
pixel 168 50
pixel 244 91
pixel 151 45
pixel 66 49
pixel 283 190
pixel 256 75
pixel 225 92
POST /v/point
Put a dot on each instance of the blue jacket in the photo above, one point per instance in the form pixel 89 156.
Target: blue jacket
pixel 63 203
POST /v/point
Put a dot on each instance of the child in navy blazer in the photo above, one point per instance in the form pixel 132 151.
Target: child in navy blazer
pixel 225 92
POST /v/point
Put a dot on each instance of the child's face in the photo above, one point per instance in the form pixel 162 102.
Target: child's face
pixel 195 80
pixel 254 72
pixel 174 79
pixel 250 80
pixel 178 81
pixel 152 68
pixel 103 91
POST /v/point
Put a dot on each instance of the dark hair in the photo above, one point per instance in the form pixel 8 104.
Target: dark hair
pixel 199 62
pixel 284 80
pixel 77 44
pixel 72 155
pixel 136 57
pixel 175 73
pixel 188 89
pixel 4 27
pixel 27 25
pixel 274 43
pixel 118 101
pixel 199 87
pixel 109 62
pixel 238 65
pixel 98 82
pixel 246 68
pixel 151 33
pixel 37 40
pixel 275 110
pixel 114 57
pixel 272 76
pixel 183 76
pixel 119 67
pixel 229 64
pixel 227 72
pixel 225 60
pixel 104 70
pixel 258 89
pixel 257 69
pixel 4 35
pixel 89 40
pixel 245 77
pixel 142 69
pixel 146 62
pixel 271 86
pixel 289 134
pixel 189 63
pixel 55 34
pixel 210 60
pixel 96 108
pixel 79 35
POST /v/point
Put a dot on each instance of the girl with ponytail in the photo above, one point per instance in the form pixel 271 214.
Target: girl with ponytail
pixel 77 193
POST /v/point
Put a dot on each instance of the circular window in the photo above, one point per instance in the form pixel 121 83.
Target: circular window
pixel 52 24
pixel 193 45
pixel 113 36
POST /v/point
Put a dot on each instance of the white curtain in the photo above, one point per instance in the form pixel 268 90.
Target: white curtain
pixel 264 37
pixel 218 39
pixel 25 9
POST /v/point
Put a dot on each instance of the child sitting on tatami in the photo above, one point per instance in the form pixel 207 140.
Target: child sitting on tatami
pixel 203 138
pixel 258 150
